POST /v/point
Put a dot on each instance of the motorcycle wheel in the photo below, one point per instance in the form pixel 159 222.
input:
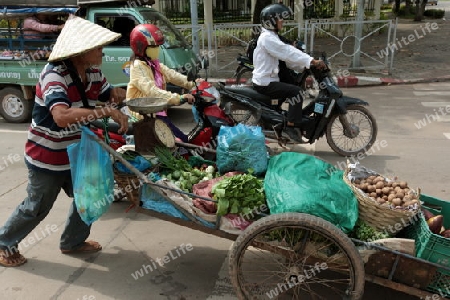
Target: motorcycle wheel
pixel 347 144
pixel 244 76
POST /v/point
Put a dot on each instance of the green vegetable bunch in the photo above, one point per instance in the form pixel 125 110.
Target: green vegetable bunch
pixel 239 194
pixel 186 179
pixel 170 161
pixel 366 233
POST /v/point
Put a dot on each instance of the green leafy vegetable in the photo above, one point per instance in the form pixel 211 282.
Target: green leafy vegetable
pixel 366 233
pixel 169 160
pixel 241 193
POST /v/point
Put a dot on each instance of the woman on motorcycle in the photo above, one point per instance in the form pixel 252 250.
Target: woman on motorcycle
pixel 148 77
pixel 266 74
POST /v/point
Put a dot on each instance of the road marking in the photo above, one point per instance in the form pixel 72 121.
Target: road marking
pixel 13 131
pixel 447 135
pixel 432 93
pixel 443 119
pixel 433 86
pixel 435 104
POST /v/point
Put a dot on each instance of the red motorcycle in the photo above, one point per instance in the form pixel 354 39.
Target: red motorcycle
pixel 208 115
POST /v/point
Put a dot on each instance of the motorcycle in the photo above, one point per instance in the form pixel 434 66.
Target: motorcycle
pixel 202 138
pixel 349 126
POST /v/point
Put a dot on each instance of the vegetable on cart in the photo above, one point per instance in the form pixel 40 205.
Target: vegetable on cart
pixel 290 255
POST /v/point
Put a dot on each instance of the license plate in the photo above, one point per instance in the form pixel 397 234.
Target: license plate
pixel 318 108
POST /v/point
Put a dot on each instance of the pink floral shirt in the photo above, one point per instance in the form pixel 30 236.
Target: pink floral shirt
pixel 34 29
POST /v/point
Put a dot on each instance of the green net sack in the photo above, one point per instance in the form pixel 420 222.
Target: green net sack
pixel 297 182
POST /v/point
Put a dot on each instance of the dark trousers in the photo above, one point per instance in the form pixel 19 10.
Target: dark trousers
pixel 286 92
pixel 43 189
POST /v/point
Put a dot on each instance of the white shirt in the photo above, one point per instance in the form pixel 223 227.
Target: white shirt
pixel 268 51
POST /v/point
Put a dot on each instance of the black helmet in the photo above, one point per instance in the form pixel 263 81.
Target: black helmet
pixel 271 13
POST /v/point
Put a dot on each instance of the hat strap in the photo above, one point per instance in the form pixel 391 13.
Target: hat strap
pixel 76 79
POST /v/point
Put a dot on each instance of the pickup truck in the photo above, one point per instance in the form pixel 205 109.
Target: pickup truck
pixel 23 59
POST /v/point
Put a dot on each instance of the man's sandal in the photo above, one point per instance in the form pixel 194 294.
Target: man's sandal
pixel 11 260
pixel 86 247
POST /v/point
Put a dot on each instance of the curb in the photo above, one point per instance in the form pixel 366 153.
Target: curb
pixel 355 81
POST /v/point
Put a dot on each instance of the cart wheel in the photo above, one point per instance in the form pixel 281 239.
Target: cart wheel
pixel 293 256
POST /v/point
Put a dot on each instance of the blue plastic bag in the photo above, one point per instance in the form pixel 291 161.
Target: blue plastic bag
pixel 152 200
pixel 92 177
pixel 241 148
pixel 138 162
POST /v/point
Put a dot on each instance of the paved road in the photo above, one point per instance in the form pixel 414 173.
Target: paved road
pixel 132 240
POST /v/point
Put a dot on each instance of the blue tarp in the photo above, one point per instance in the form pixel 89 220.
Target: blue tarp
pixel 17 11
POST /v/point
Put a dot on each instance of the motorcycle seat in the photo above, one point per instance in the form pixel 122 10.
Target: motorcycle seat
pixel 112 126
pixel 249 92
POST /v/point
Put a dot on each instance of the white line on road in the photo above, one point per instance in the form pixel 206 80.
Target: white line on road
pixel 447 135
pixel 443 119
pixel 435 104
pixel 432 93
pixel 433 87
pixel 13 131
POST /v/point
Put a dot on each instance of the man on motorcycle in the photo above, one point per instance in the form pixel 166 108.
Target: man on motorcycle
pixel 266 74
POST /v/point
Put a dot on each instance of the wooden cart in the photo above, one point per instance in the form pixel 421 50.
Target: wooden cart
pixel 300 256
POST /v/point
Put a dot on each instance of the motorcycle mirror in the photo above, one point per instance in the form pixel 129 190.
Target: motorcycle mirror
pixel 205 62
pixel 300 46
pixel 192 74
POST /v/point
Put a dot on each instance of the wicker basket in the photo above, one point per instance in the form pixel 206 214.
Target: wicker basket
pixel 381 217
pixel 129 184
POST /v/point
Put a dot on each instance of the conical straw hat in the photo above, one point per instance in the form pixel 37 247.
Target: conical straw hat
pixel 79 36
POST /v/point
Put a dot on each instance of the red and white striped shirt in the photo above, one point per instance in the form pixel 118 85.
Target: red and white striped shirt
pixel 46 147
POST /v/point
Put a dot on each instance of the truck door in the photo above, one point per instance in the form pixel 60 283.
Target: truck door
pixel 116 56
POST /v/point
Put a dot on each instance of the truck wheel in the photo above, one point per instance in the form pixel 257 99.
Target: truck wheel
pixel 14 108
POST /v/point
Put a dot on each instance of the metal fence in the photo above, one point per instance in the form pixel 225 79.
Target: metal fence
pixel 229 11
pixel 348 47
pixel 336 38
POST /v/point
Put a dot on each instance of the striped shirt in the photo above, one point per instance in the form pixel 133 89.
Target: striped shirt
pixel 46 147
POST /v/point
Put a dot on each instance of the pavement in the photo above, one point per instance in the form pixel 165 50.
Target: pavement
pixel 422 56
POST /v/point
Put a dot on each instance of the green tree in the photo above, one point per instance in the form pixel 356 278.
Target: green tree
pixel 420 9
pixel 259 5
